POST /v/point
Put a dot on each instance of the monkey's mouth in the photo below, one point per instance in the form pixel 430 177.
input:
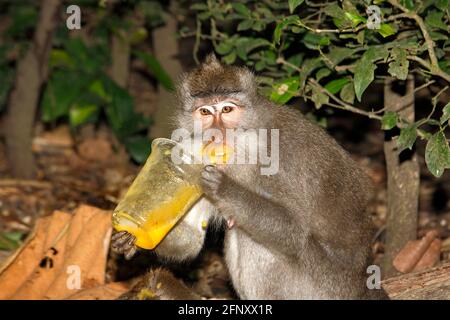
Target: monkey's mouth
pixel 217 153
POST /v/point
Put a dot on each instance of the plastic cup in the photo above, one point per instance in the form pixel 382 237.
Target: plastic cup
pixel 161 194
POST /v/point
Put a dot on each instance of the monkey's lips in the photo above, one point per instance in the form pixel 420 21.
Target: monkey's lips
pixel 215 153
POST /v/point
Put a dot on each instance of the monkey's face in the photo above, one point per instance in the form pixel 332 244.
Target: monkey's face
pixel 218 96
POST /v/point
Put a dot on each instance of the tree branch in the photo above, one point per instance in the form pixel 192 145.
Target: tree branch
pixel 428 41
pixel 435 71
pixel 344 105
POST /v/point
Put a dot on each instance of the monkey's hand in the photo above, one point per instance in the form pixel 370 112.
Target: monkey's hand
pixel 213 182
pixel 123 242
pixel 219 188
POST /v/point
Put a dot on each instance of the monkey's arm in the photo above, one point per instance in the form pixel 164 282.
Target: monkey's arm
pixel 266 221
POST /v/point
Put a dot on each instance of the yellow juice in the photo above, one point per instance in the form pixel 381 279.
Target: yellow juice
pixel 161 219
pixel 218 153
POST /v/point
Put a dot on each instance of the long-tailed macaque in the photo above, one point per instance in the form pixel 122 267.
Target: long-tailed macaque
pixel 299 231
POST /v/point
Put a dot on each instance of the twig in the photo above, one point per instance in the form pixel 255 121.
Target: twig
pixel 354 30
pixel 426 35
pixel 345 106
pixel 424 85
pixel 281 60
pixel 434 101
pixel 435 71
pixel 340 104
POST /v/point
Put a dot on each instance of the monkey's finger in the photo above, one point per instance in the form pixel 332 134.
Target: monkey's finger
pixel 129 243
pixel 118 235
pixel 119 242
pixel 130 252
pixel 210 168
pixel 215 177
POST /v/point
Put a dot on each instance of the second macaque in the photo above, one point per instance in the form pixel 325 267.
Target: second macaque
pixel 299 232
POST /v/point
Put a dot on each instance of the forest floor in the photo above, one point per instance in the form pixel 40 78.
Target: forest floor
pixel 94 169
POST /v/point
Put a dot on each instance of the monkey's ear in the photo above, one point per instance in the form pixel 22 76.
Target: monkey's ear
pixel 211 61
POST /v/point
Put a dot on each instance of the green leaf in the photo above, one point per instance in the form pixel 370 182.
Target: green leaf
pixel 318 97
pixel 260 65
pixel 204 15
pixel 283 91
pixel 355 18
pixel 89 59
pixel 407 137
pixel 258 25
pixel 294 4
pixel 10 240
pixel 399 66
pixel 295 60
pixel 445 114
pixel 338 54
pixel 156 69
pixel 335 86
pixel 24 17
pixel 437 154
pixel 80 114
pixel 224 47
pixel 386 30
pixel 409 4
pixel 333 10
pixel 60 58
pixel 245 25
pixel 241 8
pixel 322 73
pixel 138 36
pixel 98 89
pixel 339 18
pixel 365 67
pixel 312 40
pixel 230 58
pixel 374 54
pixel 199 6
pixel 61 91
pixel 252 43
pixel 434 20
pixel 347 93
pixel 364 75
pixel 290 20
pixel 138 147
pixel 389 120
pixel 308 66
pixel 436 36
pixel 120 111
pixel 441 4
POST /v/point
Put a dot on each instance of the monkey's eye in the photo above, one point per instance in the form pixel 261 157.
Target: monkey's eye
pixel 227 109
pixel 204 112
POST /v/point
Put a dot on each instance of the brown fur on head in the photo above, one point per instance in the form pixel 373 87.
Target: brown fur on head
pixel 213 78
pixel 212 82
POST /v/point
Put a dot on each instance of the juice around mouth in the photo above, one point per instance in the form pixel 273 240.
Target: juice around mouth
pixel 217 154
pixel 159 220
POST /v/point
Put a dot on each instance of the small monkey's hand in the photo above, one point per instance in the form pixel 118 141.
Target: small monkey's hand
pixel 123 243
pixel 212 182
pixel 216 186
